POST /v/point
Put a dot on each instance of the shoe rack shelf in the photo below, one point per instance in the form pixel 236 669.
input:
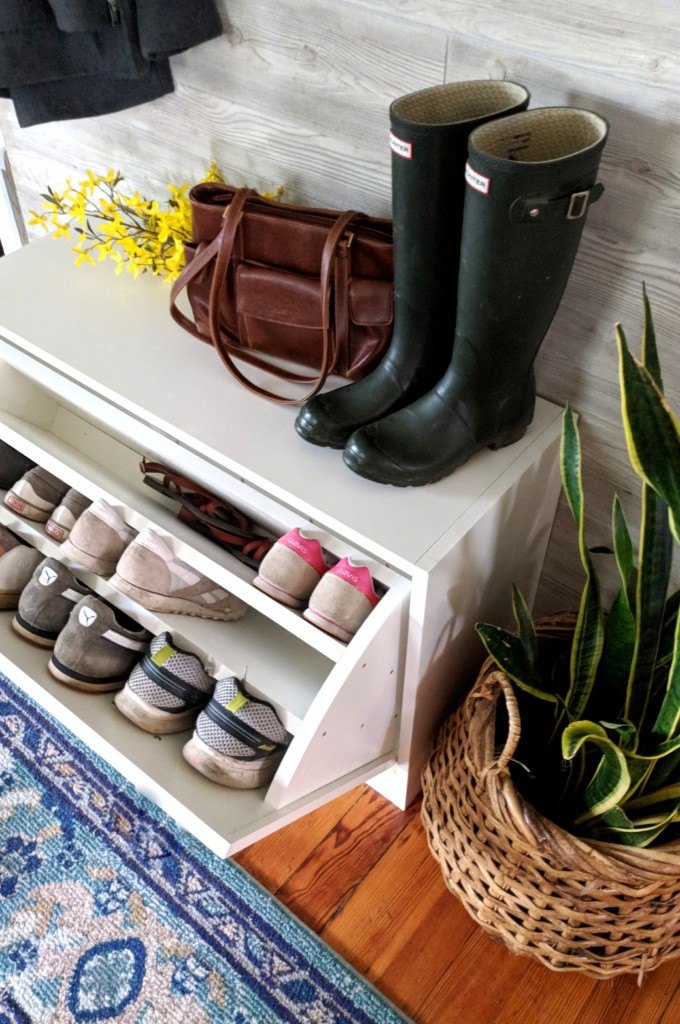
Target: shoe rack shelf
pixel 243 651
pixel 95 375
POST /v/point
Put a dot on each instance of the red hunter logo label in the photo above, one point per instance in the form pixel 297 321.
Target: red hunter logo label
pixel 476 180
pixel 400 147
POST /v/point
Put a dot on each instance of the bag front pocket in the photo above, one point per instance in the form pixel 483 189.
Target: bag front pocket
pixel 280 314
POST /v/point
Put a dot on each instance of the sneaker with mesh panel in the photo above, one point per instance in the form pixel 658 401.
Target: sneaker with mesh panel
pixel 98 539
pixel 64 517
pixel 149 572
pixel 239 740
pixel 46 603
pixel 167 689
pixel 98 647
pixel 36 494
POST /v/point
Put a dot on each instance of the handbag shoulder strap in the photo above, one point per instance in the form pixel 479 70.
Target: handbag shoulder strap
pixel 227 239
pixel 192 270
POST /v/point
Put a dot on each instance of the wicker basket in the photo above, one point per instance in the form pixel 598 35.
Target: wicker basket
pixel 593 907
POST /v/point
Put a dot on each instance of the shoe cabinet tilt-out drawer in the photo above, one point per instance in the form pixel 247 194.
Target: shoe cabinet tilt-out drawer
pixel 93 375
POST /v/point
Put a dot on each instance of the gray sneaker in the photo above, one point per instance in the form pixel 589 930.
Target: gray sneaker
pixel 167 688
pixel 36 495
pixel 98 538
pixel 16 569
pixel 47 602
pixel 150 574
pixel 7 541
pixel 64 517
pixel 239 740
pixel 97 648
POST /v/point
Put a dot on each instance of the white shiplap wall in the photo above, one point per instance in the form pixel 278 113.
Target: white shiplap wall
pixel 297 91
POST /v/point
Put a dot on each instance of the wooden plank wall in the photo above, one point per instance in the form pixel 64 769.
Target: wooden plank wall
pixel 297 91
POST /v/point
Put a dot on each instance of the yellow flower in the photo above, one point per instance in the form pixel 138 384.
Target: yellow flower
pixel 38 219
pixel 83 257
pixel 213 173
pixel 138 234
pixel 90 183
pixel 114 226
pixel 176 192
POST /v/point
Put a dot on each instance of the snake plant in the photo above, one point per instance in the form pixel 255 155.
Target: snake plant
pixel 600 707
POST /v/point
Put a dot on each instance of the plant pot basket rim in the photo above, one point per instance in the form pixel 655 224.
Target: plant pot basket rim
pixel 574 904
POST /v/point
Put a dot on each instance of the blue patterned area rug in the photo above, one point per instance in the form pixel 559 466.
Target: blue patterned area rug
pixel 109 912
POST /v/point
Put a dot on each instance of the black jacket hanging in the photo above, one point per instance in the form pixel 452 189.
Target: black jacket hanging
pixel 62 59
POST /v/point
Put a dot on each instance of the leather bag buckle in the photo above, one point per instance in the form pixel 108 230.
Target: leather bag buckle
pixel 578 204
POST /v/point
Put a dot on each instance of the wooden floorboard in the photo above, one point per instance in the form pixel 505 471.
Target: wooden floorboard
pixel 359 872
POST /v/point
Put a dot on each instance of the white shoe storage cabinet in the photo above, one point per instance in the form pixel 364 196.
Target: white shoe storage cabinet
pixel 93 375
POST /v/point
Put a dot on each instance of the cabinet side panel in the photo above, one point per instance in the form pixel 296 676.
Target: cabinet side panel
pixel 471 583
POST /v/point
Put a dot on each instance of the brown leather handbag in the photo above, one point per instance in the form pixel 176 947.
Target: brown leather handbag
pixel 306 286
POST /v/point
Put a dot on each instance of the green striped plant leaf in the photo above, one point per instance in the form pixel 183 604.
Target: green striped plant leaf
pixel 667 722
pixel 623 551
pixel 611 779
pixel 665 653
pixel 525 626
pixel 509 653
pixel 653 770
pixel 650 352
pixel 652 430
pixel 589 633
pixel 656 552
pixel 665 770
pixel 656 803
pixel 609 694
pixel 617 827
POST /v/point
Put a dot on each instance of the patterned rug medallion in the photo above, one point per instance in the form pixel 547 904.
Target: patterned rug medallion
pixel 108 912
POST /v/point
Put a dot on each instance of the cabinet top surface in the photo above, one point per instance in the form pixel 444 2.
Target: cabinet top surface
pixel 114 335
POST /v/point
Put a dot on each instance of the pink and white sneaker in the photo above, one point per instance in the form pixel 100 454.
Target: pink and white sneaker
pixel 291 569
pixel 343 600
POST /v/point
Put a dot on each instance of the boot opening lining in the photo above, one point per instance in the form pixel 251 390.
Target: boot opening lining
pixel 458 101
pixel 538 136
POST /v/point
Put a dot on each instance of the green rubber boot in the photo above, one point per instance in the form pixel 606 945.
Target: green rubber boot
pixel 531 178
pixel 429 136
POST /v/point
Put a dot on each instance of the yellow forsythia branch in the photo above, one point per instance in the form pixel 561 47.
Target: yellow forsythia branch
pixel 136 233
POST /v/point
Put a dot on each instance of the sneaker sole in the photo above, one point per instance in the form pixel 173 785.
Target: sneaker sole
pixel 95 563
pixel 86 686
pixel 151 719
pixel 280 595
pixel 327 625
pixel 33 638
pixel 228 771
pixel 22 508
pixel 160 603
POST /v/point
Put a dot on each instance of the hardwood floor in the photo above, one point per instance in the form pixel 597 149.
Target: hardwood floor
pixel 359 872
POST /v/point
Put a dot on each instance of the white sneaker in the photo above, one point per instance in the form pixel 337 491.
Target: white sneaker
pixel 98 538
pixel 149 573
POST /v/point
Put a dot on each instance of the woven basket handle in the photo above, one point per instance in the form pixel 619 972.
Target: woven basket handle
pixel 492 684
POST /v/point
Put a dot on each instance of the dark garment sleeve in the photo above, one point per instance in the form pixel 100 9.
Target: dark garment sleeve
pixel 89 96
pixel 170 26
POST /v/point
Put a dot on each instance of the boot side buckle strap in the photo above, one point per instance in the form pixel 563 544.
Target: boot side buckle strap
pixel 537 208
pixel 578 204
